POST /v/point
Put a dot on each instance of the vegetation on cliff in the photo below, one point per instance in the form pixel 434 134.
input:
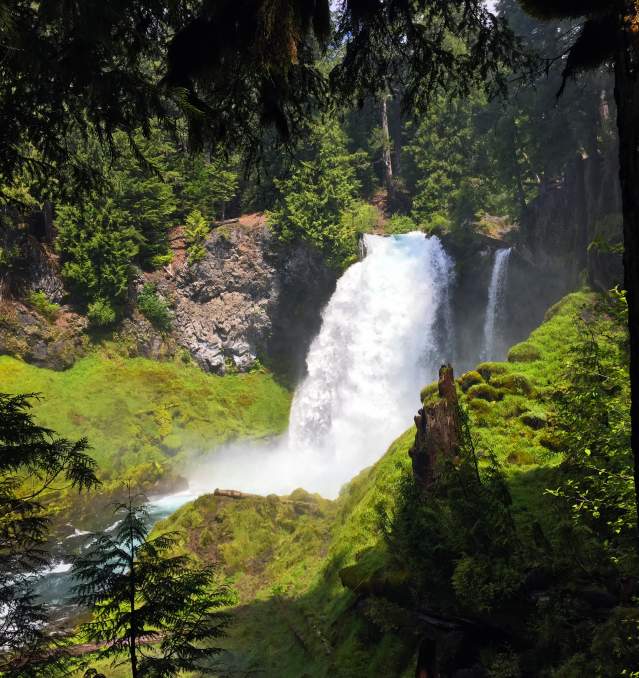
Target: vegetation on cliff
pixel 147 418
pixel 541 574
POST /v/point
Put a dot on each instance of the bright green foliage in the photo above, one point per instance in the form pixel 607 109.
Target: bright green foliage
pixel 41 303
pixel 97 244
pixel 164 411
pixel 206 185
pixel 32 459
pixel 196 231
pixel 313 200
pixel 332 581
pixel 146 193
pixel 154 307
pixel 398 224
pixel 139 591
pixel 449 169
pixel 101 313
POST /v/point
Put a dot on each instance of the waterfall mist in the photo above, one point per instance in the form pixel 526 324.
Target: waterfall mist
pixel 491 348
pixel 384 333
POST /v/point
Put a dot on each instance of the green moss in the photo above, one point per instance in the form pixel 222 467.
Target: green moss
pixel 428 391
pixel 524 352
pixel 488 369
pixel 513 383
pixel 136 411
pixel 470 379
pixel 534 420
pixel 485 392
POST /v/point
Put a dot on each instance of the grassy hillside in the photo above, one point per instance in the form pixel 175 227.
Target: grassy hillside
pixel 295 617
pixel 144 418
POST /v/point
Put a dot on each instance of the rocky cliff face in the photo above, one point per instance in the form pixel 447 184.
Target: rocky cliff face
pixel 248 299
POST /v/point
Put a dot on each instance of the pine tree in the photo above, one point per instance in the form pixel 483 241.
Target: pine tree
pixel 153 609
pixel 33 461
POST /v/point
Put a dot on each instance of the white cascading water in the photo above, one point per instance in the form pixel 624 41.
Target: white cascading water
pixel 380 341
pixel 493 308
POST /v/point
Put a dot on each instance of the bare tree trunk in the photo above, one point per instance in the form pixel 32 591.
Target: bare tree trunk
pixel 387 156
pixel 627 98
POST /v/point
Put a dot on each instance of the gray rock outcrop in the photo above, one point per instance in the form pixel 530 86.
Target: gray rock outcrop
pixel 248 298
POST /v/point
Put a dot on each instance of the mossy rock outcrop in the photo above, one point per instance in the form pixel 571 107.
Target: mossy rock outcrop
pixel 470 379
pixel 489 369
pixel 485 392
pixel 524 352
pixel 514 383
pixel 534 420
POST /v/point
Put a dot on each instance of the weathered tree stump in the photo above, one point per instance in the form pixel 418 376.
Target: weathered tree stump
pixel 438 431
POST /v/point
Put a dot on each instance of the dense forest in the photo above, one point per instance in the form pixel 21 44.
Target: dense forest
pixel 236 240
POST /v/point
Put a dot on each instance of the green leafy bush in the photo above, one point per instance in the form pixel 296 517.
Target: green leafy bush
pixel 398 224
pixel 101 313
pixel 154 308
pixel 314 203
pixel 196 231
pixel 41 303
pixel 513 383
pixel 97 244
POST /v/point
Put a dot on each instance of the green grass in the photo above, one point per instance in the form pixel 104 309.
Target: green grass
pixel 143 417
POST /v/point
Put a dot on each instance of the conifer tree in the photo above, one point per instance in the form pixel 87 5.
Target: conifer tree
pixel 153 609
pixel 33 461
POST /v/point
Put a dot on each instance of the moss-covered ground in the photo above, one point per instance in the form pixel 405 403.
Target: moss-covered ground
pixel 144 418
pixel 284 555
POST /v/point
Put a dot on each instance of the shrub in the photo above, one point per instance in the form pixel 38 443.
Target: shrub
pixel 513 383
pixel 41 303
pixel 485 392
pixel 154 308
pixel 398 224
pixel 101 313
pixel 470 379
pixel 523 353
pixel 196 232
pixel 160 260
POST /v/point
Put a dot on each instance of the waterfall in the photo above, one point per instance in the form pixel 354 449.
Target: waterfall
pixel 379 343
pixel 493 308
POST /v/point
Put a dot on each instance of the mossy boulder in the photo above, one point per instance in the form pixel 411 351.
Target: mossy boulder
pixel 489 369
pixel 534 420
pixel 470 379
pixel 550 441
pixel 479 406
pixel 485 392
pixel 514 383
pixel 524 352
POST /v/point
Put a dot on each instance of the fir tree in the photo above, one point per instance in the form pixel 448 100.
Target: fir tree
pixel 33 461
pixel 153 609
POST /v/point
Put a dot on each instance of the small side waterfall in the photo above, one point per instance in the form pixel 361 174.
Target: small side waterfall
pixel 493 309
pixel 381 340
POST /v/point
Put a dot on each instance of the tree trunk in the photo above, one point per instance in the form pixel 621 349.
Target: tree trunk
pixel 627 98
pixel 132 586
pixel 387 156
